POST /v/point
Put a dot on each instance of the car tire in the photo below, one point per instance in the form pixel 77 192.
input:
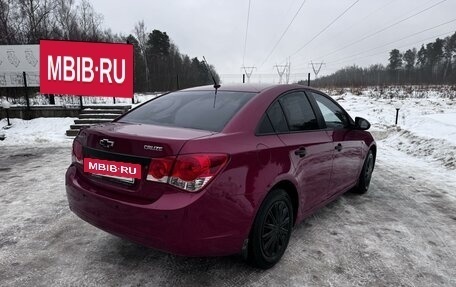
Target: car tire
pixel 366 174
pixel 271 230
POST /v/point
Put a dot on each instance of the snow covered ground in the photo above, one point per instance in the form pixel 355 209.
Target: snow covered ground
pixel 426 125
pixel 401 233
pixel 37 132
pixel 50 131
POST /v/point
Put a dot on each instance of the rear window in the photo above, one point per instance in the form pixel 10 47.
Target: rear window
pixel 200 110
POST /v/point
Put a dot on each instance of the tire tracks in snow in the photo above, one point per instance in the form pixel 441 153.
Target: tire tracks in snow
pixel 401 233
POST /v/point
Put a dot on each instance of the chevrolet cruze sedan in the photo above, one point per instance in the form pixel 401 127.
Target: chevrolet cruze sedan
pixel 212 172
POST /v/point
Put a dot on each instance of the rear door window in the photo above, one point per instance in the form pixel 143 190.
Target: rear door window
pixel 298 112
pixel 201 110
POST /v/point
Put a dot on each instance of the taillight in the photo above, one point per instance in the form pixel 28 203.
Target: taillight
pixel 76 155
pixel 160 169
pixel 189 172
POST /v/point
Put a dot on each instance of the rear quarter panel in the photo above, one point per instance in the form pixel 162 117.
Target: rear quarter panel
pixel 255 165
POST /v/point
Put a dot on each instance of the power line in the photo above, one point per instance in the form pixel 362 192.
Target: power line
pixel 406 45
pixel 345 29
pixel 385 28
pixel 403 38
pixel 246 31
pixel 283 34
pixel 289 8
pixel 387 44
pixel 392 42
pixel 324 29
pixel 265 78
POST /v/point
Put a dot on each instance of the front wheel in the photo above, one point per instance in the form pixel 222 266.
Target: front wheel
pixel 366 174
pixel 271 230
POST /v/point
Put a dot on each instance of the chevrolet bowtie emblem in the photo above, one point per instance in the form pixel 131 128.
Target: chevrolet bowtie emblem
pixel 106 143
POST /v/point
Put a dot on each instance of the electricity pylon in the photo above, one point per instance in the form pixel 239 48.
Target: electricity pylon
pixel 316 67
pixel 248 72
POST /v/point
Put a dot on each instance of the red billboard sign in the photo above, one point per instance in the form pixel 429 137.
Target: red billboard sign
pixel 86 68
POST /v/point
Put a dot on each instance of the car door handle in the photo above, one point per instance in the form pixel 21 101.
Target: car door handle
pixel 301 152
pixel 338 147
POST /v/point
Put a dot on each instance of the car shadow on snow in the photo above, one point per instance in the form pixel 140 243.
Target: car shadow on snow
pixel 125 257
pixel 155 268
pixel 331 236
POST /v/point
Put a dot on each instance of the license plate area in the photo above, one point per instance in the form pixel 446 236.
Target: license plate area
pixel 115 170
pixel 125 180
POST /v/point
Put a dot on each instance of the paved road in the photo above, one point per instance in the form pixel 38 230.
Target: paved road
pixel 402 233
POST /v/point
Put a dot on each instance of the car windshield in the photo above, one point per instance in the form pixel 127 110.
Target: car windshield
pixel 201 110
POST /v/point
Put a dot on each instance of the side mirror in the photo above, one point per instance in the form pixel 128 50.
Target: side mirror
pixel 361 124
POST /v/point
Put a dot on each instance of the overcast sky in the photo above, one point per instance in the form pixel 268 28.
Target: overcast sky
pixel 216 29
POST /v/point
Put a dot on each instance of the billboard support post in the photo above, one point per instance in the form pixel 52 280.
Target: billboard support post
pixel 24 75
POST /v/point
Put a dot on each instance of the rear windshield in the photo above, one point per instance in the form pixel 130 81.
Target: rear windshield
pixel 193 109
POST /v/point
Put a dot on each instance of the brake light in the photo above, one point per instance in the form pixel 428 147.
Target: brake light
pixel 76 155
pixel 160 168
pixel 188 172
pixel 190 167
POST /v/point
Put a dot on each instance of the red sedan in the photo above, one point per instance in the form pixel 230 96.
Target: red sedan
pixel 207 172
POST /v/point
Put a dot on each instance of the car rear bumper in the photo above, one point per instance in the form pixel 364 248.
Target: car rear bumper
pixel 202 226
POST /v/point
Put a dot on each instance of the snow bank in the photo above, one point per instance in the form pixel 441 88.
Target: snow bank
pixel 37 132
pixel 51 131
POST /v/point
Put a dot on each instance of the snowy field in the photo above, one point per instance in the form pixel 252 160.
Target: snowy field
pixel 426 124
pixel 401 233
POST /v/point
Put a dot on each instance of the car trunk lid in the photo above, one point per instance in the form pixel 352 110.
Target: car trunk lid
pixel 133 144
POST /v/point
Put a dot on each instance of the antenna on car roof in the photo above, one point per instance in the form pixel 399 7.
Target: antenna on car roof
pixel 216 85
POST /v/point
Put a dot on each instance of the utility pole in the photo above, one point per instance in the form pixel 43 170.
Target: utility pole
pixel 288 71
pixel 248 72
pixel 281 69
pixel 284 70
pixel 316 67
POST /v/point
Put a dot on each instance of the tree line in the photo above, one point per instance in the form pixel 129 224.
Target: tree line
pixel 433 63
pixel 159 66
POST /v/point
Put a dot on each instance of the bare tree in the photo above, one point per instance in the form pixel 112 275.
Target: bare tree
pixel 10 21
pixel 141 36
pixel 66 15
pixel 89 21
pixel 37 18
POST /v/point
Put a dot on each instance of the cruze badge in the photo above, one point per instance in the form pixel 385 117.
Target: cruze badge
pixel 153 147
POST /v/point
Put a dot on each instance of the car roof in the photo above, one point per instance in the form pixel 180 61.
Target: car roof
pixel 252 88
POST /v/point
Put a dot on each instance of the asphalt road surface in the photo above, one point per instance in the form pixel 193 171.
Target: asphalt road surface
pixel 401 233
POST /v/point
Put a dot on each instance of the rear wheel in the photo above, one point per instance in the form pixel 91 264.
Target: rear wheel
pixel 366 174
pixel 271 230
